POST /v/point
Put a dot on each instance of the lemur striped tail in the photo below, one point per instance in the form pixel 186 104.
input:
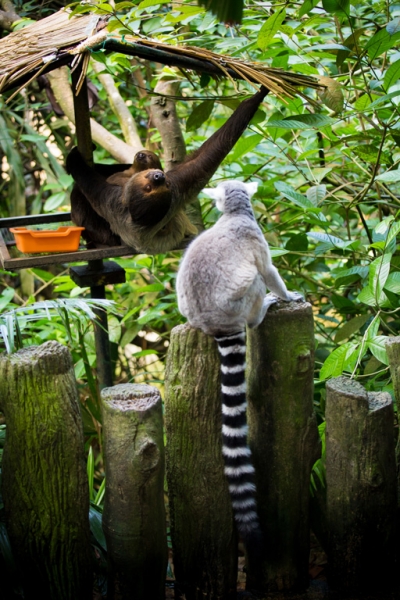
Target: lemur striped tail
pixel 239 469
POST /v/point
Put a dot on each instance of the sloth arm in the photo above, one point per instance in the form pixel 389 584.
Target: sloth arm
pixel 190 177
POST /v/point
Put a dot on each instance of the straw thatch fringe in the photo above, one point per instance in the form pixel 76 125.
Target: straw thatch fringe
pixel 62 39
pixel 27 52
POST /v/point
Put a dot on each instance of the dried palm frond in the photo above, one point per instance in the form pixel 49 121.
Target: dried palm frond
pixel 27 52
pixel 279 82
pixel 53 41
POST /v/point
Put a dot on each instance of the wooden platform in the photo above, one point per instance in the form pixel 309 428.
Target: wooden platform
pixel 26 261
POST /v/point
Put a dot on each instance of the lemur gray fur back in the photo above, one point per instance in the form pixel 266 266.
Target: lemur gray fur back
pixel 221 287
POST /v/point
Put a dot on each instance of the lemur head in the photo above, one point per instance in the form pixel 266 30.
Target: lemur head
pixel 228 195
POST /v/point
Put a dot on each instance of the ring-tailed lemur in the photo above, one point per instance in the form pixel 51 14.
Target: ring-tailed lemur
pixel 221 286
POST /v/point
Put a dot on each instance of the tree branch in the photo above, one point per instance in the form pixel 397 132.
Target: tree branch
pixel 165 119
pixel 163 113
pixel 119 108
pixel 118 149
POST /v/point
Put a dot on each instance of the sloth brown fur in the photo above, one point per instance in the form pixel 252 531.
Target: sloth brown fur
pixel 142 205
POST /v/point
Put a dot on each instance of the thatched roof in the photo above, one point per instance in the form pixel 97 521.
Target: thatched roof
pixel 27 52
pixel 61 39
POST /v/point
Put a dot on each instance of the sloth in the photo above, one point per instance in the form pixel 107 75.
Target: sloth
pixel 97 230
pixel 145 208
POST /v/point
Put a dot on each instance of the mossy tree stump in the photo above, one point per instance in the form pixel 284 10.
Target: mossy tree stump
pixel 284 440
pixel 45 487
pixel 393 352
pixel 361 486
pixel 202 530
pixel 134 513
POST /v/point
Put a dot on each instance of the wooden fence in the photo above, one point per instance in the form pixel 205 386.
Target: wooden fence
pixel 45 486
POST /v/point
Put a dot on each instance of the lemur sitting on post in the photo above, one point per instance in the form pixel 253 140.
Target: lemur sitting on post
pixel 221 287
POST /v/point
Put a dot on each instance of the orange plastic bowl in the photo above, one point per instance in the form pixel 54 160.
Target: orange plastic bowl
pixel 63 239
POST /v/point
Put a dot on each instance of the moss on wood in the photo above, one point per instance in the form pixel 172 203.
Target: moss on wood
pixel 45 486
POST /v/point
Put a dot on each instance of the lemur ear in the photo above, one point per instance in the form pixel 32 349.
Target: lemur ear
pixel 251 188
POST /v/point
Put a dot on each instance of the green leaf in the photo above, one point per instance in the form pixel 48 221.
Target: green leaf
pixel 378 273
pixel 373 328
pixel 384 98
pixel 54 201
pixel 381 42
pixel 277 252
pixel 316 194
pixel 298 199
pixel 392 283
pixel 337 361
pixel 276 132
pixel 372 365
pixel 392 75
pixel 269 28
pixel 6 297
pixel 95 520
pixel 393 27
pixel 350 327
pixel 104 6
pixel 123 5
pixel 351 43
pixel 327 238
pixel 393 232
pixel 90 471
pixel 389 176
pixel 371 154
pixel 307 7
pixel 337 7
pixel 377 347
pixel 114 329
pixel 367 297
pixel 32 137
pixel 302 122
pixel 383 226
pixel 148 3
pixel 361 271
pixel 362 102
pixel 152 287
pixel 199 115
pixel 244 145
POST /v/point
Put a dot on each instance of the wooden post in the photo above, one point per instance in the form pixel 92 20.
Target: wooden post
pixel 393 352
pixel 202 530
pixel 134 514
pixel 45 487
pixel 85 146
pixel 284 440
pixel 361 485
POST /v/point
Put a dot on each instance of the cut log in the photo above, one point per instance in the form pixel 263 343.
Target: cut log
pixel 134 513
pixel 202 530
pixel 45 487
pixel 284 440
pixel 393 352
pixel 361 486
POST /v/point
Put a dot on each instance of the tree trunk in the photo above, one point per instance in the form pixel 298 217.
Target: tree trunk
pixel 165 118
pixel 393 352
pixel 118 149
pixel 134 514
pixel 202 530
pixel 284 440
pixel 45 486
pixel 361 485
pixel 119 108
